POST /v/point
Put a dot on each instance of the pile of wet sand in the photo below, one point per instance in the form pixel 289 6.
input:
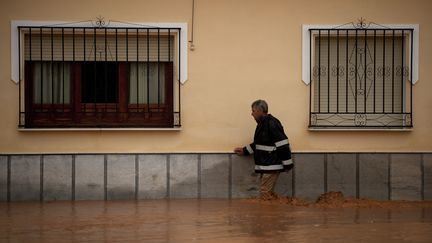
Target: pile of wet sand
pixel 338 200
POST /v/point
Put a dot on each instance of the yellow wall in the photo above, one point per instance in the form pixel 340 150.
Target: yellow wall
pixel 245 49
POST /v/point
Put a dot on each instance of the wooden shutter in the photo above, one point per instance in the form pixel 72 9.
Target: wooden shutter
pixel 67 46
pixel 335 92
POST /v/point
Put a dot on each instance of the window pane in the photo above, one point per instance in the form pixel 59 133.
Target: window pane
pixel 51 82
pixel 99 82
pixel 147 87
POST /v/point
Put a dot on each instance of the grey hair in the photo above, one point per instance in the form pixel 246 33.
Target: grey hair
pixel 260 104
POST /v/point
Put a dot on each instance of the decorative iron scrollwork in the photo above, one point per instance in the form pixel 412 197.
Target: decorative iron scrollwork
pixel 361 23
pixel 360 119
pixel 100 22
pixel 313 119
pixel 319 71
pixel 369 72
pixel 402 71
pixel 338 71
pixel 352 71
pixel 383 71
pixel 407 118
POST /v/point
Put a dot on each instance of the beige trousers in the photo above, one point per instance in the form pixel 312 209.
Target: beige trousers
pixel 268 182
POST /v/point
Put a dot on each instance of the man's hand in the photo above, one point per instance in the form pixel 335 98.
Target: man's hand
pixel 239 151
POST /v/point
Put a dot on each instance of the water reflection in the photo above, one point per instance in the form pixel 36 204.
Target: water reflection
pixel 207 221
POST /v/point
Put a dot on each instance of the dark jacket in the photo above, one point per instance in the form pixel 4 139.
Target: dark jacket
pixel 271 147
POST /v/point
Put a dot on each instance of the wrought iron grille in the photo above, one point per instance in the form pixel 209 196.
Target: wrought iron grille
pixel 99 77
pixel 361 78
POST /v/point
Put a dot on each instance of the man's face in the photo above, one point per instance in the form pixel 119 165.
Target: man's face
pixel 257 114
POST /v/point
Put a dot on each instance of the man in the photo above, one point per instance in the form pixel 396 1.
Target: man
pixel 271 150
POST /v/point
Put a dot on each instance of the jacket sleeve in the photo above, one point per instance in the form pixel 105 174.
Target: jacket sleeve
pixel 281 143
pixel 249 149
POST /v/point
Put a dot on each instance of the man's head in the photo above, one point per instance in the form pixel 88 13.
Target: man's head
pixel 259 109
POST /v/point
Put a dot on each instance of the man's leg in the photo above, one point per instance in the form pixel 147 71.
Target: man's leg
pixel 268 182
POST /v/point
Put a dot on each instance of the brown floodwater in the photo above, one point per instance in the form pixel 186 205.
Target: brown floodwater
pixel 192 220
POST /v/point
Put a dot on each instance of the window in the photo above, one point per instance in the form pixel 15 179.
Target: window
pixel 99 77
pixel 360 77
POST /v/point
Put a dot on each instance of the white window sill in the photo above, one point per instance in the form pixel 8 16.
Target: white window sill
pixel 95 129
pixel 320 129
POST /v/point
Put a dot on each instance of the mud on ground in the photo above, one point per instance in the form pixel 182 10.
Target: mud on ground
pixel 338 200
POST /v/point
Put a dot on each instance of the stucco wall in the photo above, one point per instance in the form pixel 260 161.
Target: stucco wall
pixel 244 50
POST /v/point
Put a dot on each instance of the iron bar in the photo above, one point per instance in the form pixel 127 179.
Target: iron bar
pixel 346 72
pixel 52 68
pixel 356 71
pixel 169 45
pixel 117 71
pixel 310 76
pixel 328 70
pixel 19 78
pixel 41 70
pixel 84 67
pixel 158 67
pixel 179 77
pixel 127 54
pixel 393 57
pixel 105 72
pixel 137 68
pixel 411 77
pixel 94 71
pixel 30 45
pixel 63 72
pixel 374 73
pixel 148 71
pixel 169 64
pixel 319 70
pixel 402 71
pixel 72 82
pixel 337 71
pixel 106 99
pixel 384 69
pixel 365 73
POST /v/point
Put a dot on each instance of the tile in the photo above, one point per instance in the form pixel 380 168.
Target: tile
pixel 25 178
pixel 57 174
pixel 89 177
pixel 152 176
pixel 183 176
pixel 214 176
pixel 120 177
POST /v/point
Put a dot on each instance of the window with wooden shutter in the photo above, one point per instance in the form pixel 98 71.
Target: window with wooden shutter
pixel 100 77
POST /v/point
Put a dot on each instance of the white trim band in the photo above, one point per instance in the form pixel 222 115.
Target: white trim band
pixel 249 149
pixel 282 142
pixel 268 167
pixel 265 148
pixel 287 162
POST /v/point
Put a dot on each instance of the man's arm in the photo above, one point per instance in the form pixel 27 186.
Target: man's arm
pixel 246 150
pixel 281 143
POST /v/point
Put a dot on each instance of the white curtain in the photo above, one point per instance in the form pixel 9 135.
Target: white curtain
pixel 51 83
pixel 140 82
